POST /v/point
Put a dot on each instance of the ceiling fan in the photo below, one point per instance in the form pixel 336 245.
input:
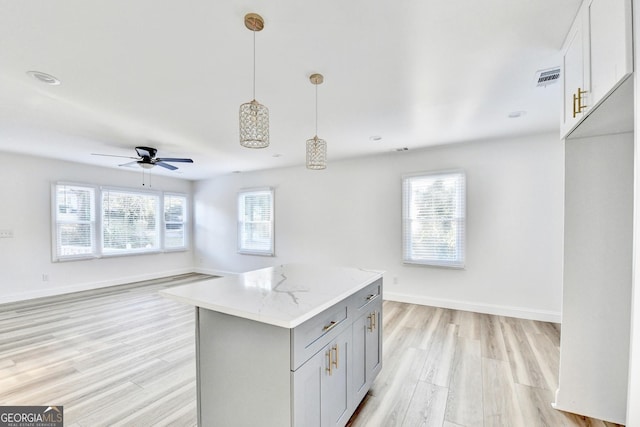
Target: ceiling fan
pixel 147 159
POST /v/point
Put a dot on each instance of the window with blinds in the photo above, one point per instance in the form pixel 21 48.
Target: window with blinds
pixel 175 221
pixel 433 219
pixel 92 222
pixel 255 222
pixel 75 221
pixel 130 222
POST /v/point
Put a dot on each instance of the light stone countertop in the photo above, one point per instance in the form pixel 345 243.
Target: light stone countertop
pixel 285 296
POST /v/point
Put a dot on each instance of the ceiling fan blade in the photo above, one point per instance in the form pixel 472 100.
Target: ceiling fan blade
pixel 171 159
pixel 165 165
pixel 113 155
pixel 129 163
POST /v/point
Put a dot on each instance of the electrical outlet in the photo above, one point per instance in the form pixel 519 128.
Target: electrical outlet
pixel 45 277
pixel 395 280
pixel 6 234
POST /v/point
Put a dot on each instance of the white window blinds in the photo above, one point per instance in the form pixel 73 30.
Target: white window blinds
pixel 255 222
pixel 175 219
pixel 129 222
pixel 75 221
pixel 433 219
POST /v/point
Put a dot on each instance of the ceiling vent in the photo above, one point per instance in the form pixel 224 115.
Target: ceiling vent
pixel 547 77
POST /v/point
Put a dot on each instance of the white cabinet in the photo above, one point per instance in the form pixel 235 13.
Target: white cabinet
pixel 597 57
pixel 575 78
pixel 610 45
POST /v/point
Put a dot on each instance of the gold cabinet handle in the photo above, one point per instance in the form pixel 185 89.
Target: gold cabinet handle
pixel 578 106
pixel 372 321
pixel 330 326
pixel 332 360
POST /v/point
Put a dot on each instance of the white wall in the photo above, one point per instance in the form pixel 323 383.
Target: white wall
pixel 350 214
pixel 594 354
pixel 633 410
pixel 25 187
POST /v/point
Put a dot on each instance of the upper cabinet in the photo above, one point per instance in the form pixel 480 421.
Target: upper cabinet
pixel 597 57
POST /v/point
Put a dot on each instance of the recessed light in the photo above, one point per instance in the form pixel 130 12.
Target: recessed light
pixel 375 138
pixel 516 114
pixel 277 155
pixel 44 77
pixel 402 149
pixel 236 172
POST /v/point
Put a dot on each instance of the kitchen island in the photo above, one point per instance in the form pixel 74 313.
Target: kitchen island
pixel 293 345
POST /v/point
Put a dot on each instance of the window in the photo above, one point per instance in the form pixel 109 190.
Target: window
pixel 129 222
pixel 75 222
pixel 433 219
pixel 255 222
pixel 92 222
pixel 175 221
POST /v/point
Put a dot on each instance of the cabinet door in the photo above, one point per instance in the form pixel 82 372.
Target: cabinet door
pixel 366 359
pixel 610 43
pixel 373 355
pixel 334 385
pixel 320 386
pixel 306 382
pixel 573 75
pixel 359 377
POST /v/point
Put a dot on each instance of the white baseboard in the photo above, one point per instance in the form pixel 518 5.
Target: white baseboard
pixel 214 272
pixel 25 296
pixel 519 312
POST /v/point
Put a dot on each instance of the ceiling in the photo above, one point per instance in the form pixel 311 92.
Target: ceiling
pixel 172 75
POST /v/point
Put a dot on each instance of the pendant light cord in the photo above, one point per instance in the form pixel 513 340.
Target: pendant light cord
pixel 316 85
pixel 254 64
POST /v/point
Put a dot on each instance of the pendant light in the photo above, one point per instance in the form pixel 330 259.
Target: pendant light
pixel 316 147
pixel 254 117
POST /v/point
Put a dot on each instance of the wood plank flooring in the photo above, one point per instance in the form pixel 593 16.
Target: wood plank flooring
pixel 454 368
pixel 125 356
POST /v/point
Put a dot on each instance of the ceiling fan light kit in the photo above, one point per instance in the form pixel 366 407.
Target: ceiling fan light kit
pixel 147 159
pixel 254 117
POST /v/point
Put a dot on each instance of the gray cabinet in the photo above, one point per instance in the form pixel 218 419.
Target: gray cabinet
pixel 367 350
pixel 321 386
pixel 330 384
pixel 313 375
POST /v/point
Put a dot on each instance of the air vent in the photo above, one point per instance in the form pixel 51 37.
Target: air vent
pixel 547 77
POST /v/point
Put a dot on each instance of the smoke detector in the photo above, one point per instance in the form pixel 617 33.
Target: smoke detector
pixel 547 77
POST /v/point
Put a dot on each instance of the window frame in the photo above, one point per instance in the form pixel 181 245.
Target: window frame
pixel 98 224
pixel 408 256
pixel 185 222
pixel 242 249
pixel 159 210
pixel 55 222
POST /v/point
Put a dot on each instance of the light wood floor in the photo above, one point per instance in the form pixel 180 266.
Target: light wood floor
pixel 126 357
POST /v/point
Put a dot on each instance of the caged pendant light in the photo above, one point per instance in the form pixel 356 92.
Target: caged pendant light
pixel 254 117
pixel 316 147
